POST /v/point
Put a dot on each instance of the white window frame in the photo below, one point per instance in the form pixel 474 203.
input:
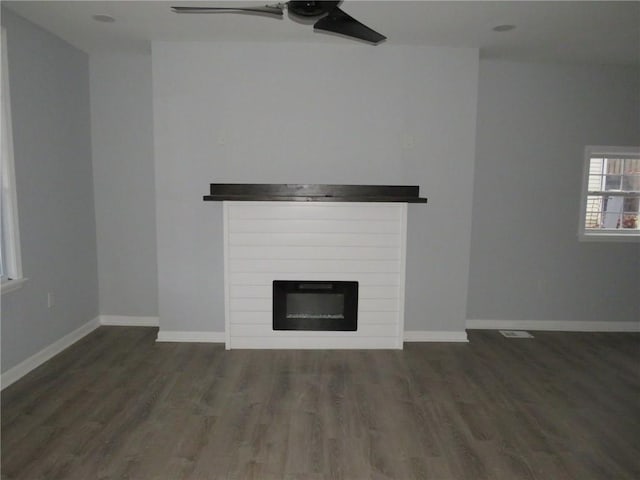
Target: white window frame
pixel 615 235
pixel 12 278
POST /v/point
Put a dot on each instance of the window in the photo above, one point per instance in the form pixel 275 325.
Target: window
pixel 10 262
pixel 611 194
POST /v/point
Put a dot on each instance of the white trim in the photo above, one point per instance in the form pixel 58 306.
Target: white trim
pixel 611 150
pixel 195 337
pixel 434 336
pixel 609 237
pixel 403 277
pixel 11 223
pixel 227 296
pixel 129 321
pixel 12 285
pixel 34 361
pixel 554 325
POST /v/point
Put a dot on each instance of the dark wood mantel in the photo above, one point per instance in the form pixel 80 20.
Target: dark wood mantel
pixel 294 192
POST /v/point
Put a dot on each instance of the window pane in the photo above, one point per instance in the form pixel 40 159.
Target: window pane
pixel 615 166
pixel 630 221
pixel 596 166
pixel 612 212
pixel 632 165
pixel 631 183
pixel 612 182
pixel 595 183
pixel 631 210
pixel 593 217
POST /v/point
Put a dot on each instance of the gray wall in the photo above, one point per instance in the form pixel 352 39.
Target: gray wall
pixel 534 121
pixel 49 83
pixel 122 133
pixel 287 113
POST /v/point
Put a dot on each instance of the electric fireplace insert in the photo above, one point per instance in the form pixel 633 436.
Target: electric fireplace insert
pixel 315 305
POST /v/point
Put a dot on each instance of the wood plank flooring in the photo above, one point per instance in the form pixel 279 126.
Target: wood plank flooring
pixel 117 405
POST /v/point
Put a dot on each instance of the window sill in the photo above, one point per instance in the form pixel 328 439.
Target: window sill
pixel 13 285
pixel 609 237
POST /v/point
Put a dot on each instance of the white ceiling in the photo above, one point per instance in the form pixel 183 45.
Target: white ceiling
pixel 574 32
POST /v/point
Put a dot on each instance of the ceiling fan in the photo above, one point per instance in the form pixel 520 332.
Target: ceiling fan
pixel 332 19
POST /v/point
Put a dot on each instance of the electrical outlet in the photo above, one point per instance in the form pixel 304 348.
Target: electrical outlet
pixel 408 141
pixel 51 300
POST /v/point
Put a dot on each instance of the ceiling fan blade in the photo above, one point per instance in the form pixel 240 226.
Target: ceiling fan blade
pixel 337 21
pixel 270 9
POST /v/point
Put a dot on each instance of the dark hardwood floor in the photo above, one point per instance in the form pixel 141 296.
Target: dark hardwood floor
pixel 119 405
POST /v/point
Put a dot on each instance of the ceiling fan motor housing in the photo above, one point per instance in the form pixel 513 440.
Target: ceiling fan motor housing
pixel 309 8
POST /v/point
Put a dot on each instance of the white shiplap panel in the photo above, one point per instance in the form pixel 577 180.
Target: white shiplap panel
pixel 267 241
pixel 362 278
pixel 378 305
pixel 314 211
pixel 250 304
pixel 313 226
pixel 315 240
pixel 377 318
pixel 301 252
pixel 251 291
pixel 311 265
pixel 251 318
pixel 378 291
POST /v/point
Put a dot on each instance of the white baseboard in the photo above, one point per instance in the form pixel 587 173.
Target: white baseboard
pixel 128 321
pixel 434 336
pixel 34 361
pixel 554 325
pixel 196 337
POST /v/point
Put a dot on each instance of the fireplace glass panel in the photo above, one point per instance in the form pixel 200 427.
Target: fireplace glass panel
pixel 315 305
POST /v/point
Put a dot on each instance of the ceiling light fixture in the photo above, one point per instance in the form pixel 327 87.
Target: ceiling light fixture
pixel 103 18
pixel 503 28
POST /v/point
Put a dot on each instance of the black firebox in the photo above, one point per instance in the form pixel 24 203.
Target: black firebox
pixel 315 305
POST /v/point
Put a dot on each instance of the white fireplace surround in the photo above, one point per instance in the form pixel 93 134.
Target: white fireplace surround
pixel 266 241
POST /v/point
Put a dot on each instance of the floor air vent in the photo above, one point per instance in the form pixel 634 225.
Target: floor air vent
pixel 515 334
